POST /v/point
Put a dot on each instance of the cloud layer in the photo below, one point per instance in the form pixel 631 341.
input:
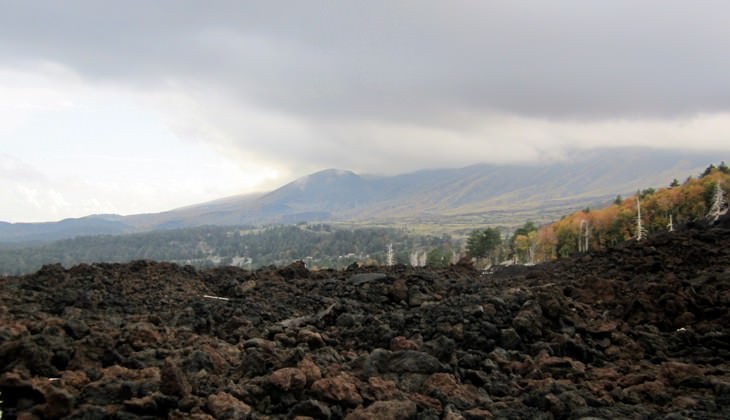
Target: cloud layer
pixel 278 89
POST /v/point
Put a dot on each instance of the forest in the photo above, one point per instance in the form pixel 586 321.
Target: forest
pixel 661 210
pixel 328 246
pixel 319 245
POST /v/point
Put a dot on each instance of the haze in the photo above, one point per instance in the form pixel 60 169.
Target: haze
pixel 130 107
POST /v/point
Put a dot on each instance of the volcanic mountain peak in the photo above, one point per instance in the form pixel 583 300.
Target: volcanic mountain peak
pixel 481 193
pixel 327 175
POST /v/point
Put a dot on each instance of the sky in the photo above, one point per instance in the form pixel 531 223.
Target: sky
pixel 139 106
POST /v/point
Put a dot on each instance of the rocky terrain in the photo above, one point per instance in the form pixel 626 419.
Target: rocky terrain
pixel 639 331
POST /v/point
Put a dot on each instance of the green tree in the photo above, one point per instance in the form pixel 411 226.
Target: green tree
pixel 482 243
pixel 517 244
pixel 525 229
pixel 724 168
pixel 439 257
pixel 646 192
pixel 708 171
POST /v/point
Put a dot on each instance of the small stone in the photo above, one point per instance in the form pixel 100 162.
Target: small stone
pixel 59 402
pixel 288 379
pixel 311 338
pixel 246 286
pixel 382 389
pixel 225 406
pixel 415 297
pixel 340 388
pixel 529 319
pixel 510 339
pixel 142 335
pixel 310 369
pixel 477 414
pixel 311 409
pixel 385 410
pixel 75 378
pixel 675 372
pixel 144 405
pixel 399 290
pixel 173 380
pixel 76 329
pixel 402 343
pixel 446 388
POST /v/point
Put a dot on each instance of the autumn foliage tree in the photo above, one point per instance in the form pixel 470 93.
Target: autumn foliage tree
pixel 611 225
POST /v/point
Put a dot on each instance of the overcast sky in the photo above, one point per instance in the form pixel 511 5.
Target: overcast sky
pixel 142 106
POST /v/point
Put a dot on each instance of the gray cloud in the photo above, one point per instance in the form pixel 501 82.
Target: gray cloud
pixel 265 91
pixel 403 61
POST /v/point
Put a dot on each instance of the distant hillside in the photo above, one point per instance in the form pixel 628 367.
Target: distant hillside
pixel 319 245
pixel 493 194
pixel 662 210
pixel 474 195
pixel 51 231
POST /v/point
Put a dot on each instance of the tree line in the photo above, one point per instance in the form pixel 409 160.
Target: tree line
pixel 587 230
pixel 319 245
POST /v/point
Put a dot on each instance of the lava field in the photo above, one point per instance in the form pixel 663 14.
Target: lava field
pixel 637 331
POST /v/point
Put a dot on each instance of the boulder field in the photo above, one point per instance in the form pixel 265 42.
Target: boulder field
pixel 637 331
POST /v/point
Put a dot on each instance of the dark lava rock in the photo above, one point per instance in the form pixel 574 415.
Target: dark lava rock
pixel 638 331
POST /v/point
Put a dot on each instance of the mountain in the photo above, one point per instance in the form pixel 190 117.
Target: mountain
pixel 483 193
pixel 50 231
pixel 474 195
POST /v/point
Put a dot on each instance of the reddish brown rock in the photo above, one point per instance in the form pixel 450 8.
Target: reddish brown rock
pixel 311 338
pixel 675 372
pixel 173 380
pixel 142 335
pixel 402 343
pixel 382 389
pixel 225 406
pixel 75 378
pixel 220 365
pixel 478 414
pixel 340 388
pixel 381 410
pixel 427 402
pixel 310 369
pixel 288 379
pixel 446 388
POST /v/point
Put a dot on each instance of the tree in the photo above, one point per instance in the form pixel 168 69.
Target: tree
pixel 640 230
pixel 724 168
pixel 674 183
pixel 646 192
pixel 482 243
pixel 439 257
pixel 719 204
pixel 584 235
pixel 708 171
pixel 567 237
pixel 525 229
pixel 521 246
pixel 546 242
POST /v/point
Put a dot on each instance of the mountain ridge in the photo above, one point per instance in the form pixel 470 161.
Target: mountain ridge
pixel 478 194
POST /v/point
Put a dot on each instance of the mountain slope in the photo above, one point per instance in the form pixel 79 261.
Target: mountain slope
pixel 477 194
pixel 50 231
pixel 478 190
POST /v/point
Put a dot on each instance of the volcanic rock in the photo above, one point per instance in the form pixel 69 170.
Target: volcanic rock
pixel 641 330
